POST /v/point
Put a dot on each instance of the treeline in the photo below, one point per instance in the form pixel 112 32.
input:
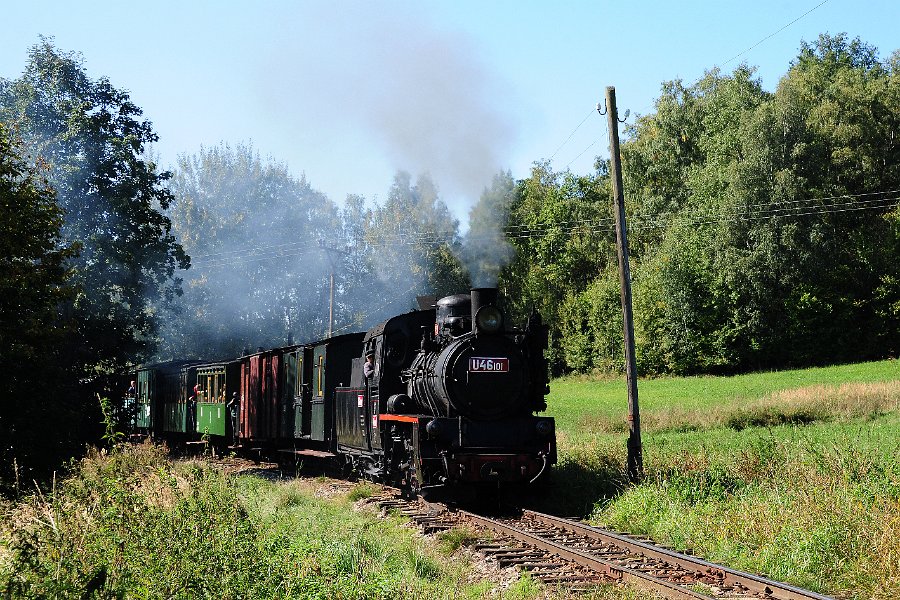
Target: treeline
pixel 764 227
pixel 764 233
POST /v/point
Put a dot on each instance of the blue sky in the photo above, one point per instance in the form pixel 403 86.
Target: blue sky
pixel 348 92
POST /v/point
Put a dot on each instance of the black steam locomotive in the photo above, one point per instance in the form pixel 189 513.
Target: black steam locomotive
pixel 448 398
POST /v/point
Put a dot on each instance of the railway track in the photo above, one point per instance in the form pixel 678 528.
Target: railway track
pixel 564 552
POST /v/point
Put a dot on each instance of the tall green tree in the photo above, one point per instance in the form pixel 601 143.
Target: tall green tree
pixel 92 137
pixel 764 236
pixel 414 246
pixel 254 231
pixel 485 247
pixel 34 286
pixel 560 227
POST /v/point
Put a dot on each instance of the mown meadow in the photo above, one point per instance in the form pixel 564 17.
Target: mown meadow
pixel 789 474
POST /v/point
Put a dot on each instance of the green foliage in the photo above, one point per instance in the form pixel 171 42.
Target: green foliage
pixel 556 263
pixel 34 285
pixel 792 474
pixel 112 424
pixel 454 539
pixel 754 290
pixel 131 524
pixel 361 491
pixel 486 250
pixel 762 229
pixel 421 260
pixel 89 134
pixel 230 210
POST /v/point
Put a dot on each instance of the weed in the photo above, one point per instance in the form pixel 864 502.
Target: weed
pixel 812 506
pixel 361 491
pixel 132 524
pixel 455 538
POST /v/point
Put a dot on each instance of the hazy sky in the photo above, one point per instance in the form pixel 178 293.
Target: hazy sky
pixel 349 92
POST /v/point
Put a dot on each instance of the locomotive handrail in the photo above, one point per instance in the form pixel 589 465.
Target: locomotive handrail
pixel 543 468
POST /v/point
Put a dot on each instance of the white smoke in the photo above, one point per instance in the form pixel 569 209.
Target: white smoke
pixel 422 92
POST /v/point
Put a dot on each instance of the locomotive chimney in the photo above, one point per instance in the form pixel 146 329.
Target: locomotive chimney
pixel 482 297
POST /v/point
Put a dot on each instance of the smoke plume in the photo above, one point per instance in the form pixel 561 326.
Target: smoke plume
pixel 423 94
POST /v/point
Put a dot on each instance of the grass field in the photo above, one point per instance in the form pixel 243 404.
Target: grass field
pixel 790 474
pixel 793 475
pixel 133 524
pixel 581 403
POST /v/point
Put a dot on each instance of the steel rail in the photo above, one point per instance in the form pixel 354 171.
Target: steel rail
pixel 760 585
pixel 610 569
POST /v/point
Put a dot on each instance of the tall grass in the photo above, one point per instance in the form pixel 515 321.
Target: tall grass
pixel 799 482
pixel 132 524
pixel 581 402
pixel 818 508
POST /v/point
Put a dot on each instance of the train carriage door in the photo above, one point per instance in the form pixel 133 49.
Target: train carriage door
pixel 287 393
pixel 242 392
pixel 373 396
pixel 251 409
pixel 146 397
pixel 318 421
pixel 273 375
pixel 302 393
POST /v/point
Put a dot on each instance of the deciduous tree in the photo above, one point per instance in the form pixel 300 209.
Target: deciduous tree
pixel 36 413
pixel 92 137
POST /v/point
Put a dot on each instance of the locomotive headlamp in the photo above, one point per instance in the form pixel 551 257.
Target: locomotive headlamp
pixel 489 319
pixel 544 427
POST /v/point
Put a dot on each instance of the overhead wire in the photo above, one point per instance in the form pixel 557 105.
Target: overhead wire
pixel 583 121
pixel 771 35
pixel 294 249
pixel 582 152
pixel 636 222
pixel 389 300
pixel 222 257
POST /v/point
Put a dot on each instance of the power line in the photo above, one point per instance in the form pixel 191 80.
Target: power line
pixel 379 307
pixel 771 35
pixel 754 46
pixel 763 210
pixel 582 152
pixel 583 121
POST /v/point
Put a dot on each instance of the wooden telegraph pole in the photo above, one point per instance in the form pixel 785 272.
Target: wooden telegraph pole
pixel 635 458
pixel 330 251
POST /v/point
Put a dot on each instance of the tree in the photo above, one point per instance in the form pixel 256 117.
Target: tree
pixel 561 229
pixel 90 135
pixel 764 237
pixel 254 232
pixel 414 246
pixel 486 250
pixel 34 284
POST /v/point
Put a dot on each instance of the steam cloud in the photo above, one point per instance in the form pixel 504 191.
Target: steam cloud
pixel 422 92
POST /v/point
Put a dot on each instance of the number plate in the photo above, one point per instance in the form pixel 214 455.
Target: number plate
pixel 479 364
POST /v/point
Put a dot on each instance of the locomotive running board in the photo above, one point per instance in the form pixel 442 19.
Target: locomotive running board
pixel 313 453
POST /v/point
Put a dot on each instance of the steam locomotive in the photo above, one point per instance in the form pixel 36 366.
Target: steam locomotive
pixel 448 399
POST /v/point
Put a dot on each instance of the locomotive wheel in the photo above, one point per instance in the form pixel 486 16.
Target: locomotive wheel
pixel 409 486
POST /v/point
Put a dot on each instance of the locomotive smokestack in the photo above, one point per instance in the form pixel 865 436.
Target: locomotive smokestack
pixel 482 297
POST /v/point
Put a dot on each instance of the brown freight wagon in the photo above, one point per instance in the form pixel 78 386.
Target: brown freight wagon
pixel 287 394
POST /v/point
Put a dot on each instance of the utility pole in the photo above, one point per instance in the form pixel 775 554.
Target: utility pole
pixel 635 458
pixel 330 252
